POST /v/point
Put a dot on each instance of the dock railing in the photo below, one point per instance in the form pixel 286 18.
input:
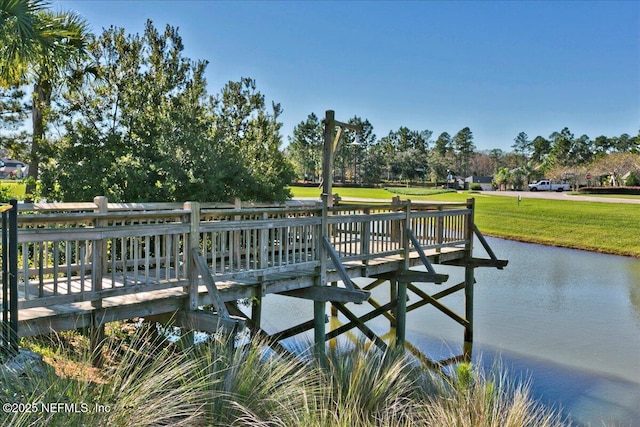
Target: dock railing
pixel 75 252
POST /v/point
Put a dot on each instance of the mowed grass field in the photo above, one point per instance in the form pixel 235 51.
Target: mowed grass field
pixel 15 189
pixel 601 227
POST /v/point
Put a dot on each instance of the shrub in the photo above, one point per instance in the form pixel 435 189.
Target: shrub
pixel 610 190
pixel 632 180
pixel 6 193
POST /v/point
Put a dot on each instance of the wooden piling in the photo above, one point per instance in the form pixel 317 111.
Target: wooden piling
pixel 469 280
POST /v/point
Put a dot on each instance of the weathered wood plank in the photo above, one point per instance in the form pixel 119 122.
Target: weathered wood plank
pixel 329 294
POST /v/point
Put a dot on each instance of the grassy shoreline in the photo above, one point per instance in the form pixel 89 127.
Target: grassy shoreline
pixel 147 381
pixel 610 228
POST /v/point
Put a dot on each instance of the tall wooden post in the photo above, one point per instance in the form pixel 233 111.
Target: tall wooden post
pixel 188 338
pixel 401 307
pixel 98 269
pixel 331 140
pixel 469 282
pixel 320 307
pixel 327 155
pixel 256 303
pixel 194 244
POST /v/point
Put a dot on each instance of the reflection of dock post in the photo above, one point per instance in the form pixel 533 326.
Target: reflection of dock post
pixel 401 313
pixel 468 283
pixel 334 309
pixel 393 294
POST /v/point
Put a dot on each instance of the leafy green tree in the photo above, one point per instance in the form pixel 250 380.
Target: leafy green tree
pixel 349 150
pixel 623 143
pixel 561 146
pixel 160 136
pixel 409 164
pixel 497 157
pixel 374 165
pixel 356 145
pixel 14 108
pixel 244 123
pixel 398 143
pixel 602 145
pixel 129 112
pixel 582 151
pixel 522 147
pixel 444 145
pixel 632 180
pixel 502 178
pixel 541 148
pixel 463 149
pixel 305 147
pixel 441 158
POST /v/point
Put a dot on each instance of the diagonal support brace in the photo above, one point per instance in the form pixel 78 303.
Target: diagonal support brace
pixel 437 278
pixel 342 272
pixel 207 278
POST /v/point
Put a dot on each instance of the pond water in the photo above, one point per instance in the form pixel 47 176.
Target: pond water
pixel 567 320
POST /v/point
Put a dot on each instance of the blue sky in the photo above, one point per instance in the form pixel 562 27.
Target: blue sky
pixel 499 68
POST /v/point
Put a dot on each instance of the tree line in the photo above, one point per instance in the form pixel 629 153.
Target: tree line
pixel 414 155
pixel 129 116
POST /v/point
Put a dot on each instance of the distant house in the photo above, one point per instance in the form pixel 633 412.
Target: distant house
pixel 484 181
pixel 10 168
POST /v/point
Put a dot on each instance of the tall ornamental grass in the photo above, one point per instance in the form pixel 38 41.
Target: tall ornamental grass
pixel 147 381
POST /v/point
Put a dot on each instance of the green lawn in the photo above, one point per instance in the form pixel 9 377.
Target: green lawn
pixel 371 193
pixel 602 227
pixel 14 189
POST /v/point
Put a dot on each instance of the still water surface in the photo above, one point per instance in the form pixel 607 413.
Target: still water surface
pixel 567 320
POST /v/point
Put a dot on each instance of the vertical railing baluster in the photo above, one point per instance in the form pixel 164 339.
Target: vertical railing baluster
pixel 5 331
pixel 56 260
pixel 25 270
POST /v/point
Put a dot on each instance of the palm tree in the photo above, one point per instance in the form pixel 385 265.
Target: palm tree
pixel 39 48
pixel 19 34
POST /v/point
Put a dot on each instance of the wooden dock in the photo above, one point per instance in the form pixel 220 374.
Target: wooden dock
pixel 85 264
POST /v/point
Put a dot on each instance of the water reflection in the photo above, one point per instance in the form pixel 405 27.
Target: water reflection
pixel 568 319
pixel 634 291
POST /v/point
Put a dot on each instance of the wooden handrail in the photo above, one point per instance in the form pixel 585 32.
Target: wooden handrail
pixel 147 246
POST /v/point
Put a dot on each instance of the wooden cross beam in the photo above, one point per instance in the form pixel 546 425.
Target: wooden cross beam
pixel 359 323
pixel 372 314
pixel 329 293
pixel 437 304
